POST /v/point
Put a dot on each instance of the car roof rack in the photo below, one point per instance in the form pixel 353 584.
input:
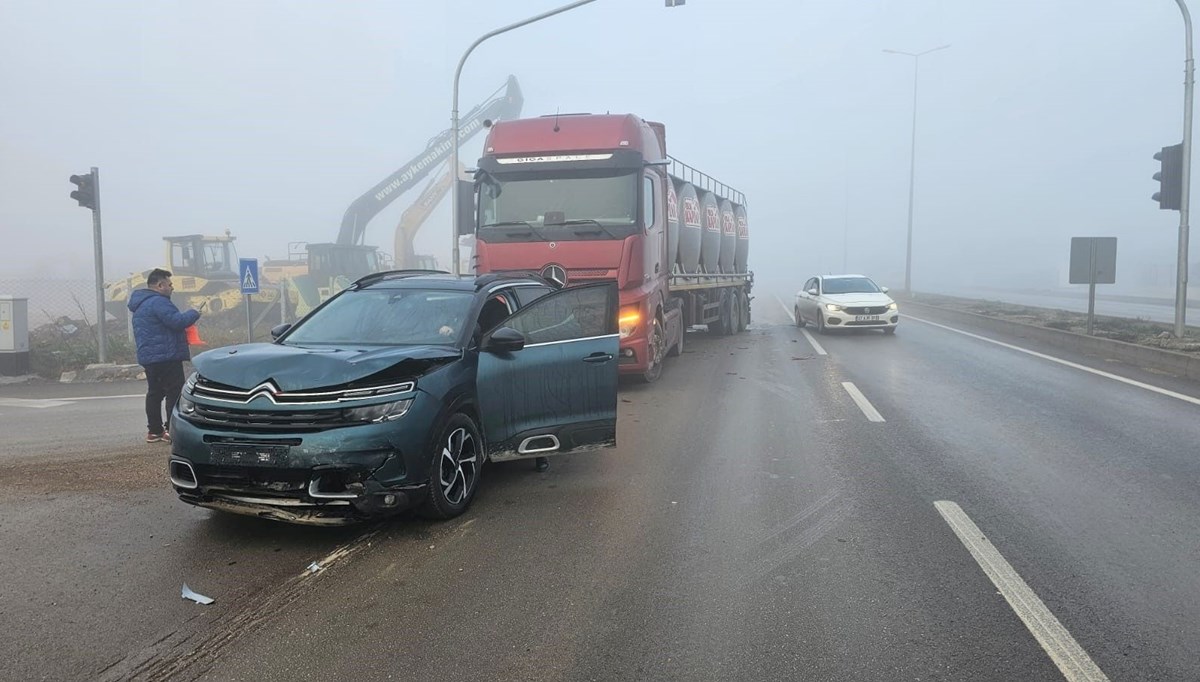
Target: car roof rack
pixel 393 274
pixel 490 278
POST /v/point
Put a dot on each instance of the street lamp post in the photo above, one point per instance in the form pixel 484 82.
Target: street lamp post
pixel 912 168
pixel 1181 270
pixel 454 113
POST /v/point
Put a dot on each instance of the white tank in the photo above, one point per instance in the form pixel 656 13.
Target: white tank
pixel 742 253
pixel 690 227
pixel 710 241
pixel 728 236
pixel 672 226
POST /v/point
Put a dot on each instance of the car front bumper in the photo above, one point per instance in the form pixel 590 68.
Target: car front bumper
pixel 848 320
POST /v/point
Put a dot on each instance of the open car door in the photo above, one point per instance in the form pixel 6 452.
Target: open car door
pixel 547 376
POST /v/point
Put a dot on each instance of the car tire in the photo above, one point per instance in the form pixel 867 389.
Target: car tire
pixel 455 468
pixel 820 322
pixel 799 318
pixel 889 331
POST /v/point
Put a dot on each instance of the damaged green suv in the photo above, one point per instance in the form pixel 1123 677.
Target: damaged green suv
pixel 394 394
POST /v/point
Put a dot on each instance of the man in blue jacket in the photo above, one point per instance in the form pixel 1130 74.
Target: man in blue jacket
pixel 160 330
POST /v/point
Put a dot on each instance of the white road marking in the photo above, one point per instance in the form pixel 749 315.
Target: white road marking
pixel 1071 659
pixel 30 402
pixel 786 309
pixel 816 346
pixel 1068 363
pixel 43 403
pixel 862 402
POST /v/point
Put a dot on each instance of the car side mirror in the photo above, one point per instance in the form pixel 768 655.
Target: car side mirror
pixel 884 289
pixel 812 292
pixel 280 329
pixel 504 340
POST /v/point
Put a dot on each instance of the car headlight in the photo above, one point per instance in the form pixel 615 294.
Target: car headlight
pixel 186 406
pixel 383 412
pixel 833 307
pixel 893 306
pixel 191 382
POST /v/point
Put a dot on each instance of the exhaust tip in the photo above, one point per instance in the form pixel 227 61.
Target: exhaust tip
pixel 183 475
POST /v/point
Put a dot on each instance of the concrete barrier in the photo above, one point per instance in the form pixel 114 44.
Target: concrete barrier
pixel 1157 359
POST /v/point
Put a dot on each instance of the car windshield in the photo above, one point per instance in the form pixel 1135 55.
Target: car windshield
pixel 386 317
pixel 850 285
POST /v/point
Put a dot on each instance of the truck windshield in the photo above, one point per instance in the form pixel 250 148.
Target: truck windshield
pixel 535 207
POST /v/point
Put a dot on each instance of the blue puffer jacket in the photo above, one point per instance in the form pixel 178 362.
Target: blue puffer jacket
pixel 158 327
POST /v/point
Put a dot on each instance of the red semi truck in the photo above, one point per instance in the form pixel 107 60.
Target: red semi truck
pixel 585 198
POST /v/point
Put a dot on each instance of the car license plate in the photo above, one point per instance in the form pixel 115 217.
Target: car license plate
pixel 866 318
pixel 249 454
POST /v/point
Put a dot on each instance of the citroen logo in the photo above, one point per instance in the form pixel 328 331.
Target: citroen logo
pixel 555 274
pixel 266 389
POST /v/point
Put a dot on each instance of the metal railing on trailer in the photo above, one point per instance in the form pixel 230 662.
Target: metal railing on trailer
pixel 702 180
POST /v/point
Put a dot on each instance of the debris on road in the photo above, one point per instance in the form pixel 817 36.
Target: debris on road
pixel 196 596
pixel 314 567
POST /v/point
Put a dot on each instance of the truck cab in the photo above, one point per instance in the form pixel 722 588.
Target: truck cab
pixel 583 198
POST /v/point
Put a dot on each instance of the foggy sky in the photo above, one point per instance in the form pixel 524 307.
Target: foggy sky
pixel 270 118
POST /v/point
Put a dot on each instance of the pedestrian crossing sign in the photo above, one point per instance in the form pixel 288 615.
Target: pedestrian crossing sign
pixel 248 275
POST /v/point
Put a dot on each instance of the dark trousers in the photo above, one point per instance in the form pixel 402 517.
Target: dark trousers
pixel 165 380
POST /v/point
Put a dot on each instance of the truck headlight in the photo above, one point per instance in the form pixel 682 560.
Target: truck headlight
pixel 383 412
pixel 629 318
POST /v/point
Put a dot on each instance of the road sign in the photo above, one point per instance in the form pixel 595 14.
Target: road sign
pixel 1093 261
pixel 248 275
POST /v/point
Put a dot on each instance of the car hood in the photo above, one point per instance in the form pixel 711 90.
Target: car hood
pixel 858 299
pixel 294 368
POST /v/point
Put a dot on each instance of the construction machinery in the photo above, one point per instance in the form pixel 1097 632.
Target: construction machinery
pixel 205 267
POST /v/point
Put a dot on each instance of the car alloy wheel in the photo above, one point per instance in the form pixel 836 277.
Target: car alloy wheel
pixel 456 466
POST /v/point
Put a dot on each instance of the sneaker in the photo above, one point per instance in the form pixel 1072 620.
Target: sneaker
pixel 166 437
pixel 154 437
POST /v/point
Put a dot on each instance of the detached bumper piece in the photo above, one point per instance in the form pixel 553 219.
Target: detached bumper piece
pixel 328 495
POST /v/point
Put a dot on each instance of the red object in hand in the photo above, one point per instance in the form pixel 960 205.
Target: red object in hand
pixel 193 336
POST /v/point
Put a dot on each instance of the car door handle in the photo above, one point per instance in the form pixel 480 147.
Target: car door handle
pixel 598 357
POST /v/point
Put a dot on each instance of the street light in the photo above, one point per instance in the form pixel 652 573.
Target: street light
pixel 454 113
pixel 912 168
pixel 1181 269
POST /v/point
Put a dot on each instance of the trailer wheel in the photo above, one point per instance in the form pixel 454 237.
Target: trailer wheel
pixel 743 318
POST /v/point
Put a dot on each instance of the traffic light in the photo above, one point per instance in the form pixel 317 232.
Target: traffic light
pixel 1170 177
pixel 85 192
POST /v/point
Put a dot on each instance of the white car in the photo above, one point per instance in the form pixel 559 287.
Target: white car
pixel 837 301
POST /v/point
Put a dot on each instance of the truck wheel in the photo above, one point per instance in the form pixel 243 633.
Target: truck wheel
pixel 743 312
pixel 658 340
pixel 677 349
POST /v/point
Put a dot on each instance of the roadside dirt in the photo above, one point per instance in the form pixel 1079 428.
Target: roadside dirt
pixel 1140 331
pixel 137 467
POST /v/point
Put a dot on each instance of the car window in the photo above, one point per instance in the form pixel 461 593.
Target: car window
pixel 495 310
pixel 386 317
pixel 576 313
pixel 850 285
pixel 529 294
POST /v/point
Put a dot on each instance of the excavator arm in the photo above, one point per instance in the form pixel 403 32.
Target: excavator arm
pixel 505 103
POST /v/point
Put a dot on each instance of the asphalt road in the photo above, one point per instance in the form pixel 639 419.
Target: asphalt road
pixel 761 519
